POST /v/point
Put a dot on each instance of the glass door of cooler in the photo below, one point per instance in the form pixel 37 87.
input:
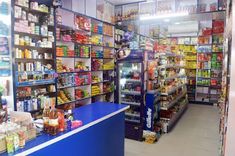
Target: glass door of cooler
pixel 130 89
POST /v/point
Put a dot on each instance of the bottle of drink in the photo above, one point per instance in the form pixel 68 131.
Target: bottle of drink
pixel 53 120
pixel 61 121
pixel 46 113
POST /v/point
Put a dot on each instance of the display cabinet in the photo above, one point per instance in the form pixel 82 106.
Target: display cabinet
pixel 130 74
pixel 85 58
pixel 34 57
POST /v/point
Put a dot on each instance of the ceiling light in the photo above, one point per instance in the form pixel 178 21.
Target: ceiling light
pixel 180 14
pixel 177 23
pixel 166 20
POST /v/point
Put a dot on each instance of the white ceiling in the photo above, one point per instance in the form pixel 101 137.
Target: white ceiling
pixel 118 2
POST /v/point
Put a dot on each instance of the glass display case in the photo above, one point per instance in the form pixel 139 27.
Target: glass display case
pixel 131 92
pixel 130 89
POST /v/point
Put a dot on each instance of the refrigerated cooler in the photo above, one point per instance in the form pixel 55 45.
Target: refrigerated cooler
pixel 131 91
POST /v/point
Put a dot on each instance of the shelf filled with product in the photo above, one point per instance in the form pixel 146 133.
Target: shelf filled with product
pixel 217 59
pixel 34 68
pixel 130 13
pixel 152 125
pixel 209 61
pixel 85 55
pixel 173 78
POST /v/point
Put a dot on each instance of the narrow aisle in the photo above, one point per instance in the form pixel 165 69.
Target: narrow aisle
pixel 196 134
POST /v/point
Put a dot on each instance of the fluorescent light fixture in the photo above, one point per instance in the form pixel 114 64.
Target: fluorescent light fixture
pixel 166 20
pixel 177 23
pixel 180 14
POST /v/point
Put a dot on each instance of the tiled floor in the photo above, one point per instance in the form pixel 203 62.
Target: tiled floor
pixel 196 134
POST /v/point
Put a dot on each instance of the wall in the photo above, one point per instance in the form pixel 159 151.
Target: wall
pixel 100 9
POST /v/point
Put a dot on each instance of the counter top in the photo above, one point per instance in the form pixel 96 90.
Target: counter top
pixel 90 115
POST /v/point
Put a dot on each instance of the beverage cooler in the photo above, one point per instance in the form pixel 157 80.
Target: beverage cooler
pixel 130 90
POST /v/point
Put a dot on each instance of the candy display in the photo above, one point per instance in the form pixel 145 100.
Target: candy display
pixel 82 79
pixel 83 38
pixel 64 50
pixel 80 66
pixel 61 67
pixel 83 23
pixel 95 90
pixel 97 27
pixel 67 35
pixel 65 80
pixel 96 64
pixel 82 51
pixel 64 96
pixel 88 43
pixel 81 93
pixel 108 53
pixel 108 65
pixel 96 79
pixel 96 39
pixel 96 53
pixel 107 30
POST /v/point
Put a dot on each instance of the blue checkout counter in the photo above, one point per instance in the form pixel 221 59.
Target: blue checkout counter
pixel 102 134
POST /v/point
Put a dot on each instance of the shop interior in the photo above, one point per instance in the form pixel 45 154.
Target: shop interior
pixel 161 69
